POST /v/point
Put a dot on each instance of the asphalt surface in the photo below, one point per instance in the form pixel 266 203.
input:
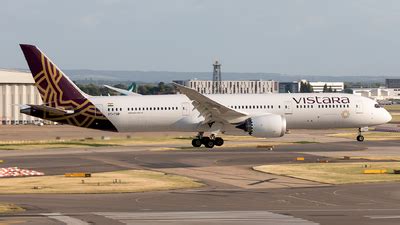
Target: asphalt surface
pixel 234 194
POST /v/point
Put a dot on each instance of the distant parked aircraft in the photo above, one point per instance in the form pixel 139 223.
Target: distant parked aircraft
pixel 131 90
pixel 259 115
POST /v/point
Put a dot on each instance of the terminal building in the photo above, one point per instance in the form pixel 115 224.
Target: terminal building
pixel 219 86
pixel 17 88
pixel 318 87
pixel 389 92
pixel 378 93
pixel 392 83
pixel 289 87
pixel 232 86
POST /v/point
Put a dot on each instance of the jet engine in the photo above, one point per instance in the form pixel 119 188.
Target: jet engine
pixel 265 126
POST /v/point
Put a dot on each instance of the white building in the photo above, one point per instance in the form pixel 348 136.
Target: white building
pixel 17 88
pixel 319 86
pixel 233 86
pixel 378 93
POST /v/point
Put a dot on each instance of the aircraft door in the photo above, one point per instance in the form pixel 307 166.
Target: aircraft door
pixel 288 107
pixel 185 109
pixel 359 107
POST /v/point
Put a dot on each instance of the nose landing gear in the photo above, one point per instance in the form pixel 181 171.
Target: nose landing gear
pixel 208 142
pixel 360 137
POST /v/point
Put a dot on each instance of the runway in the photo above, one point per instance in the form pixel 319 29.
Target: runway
pixel 235 194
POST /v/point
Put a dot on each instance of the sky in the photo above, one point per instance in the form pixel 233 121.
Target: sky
pixel 309 37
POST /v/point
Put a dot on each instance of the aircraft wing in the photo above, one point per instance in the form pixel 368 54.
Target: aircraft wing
pixel 211 110
pixel 52 110
pixel 122 91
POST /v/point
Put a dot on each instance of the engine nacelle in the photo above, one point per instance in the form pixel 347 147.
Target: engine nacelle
pixel 265 126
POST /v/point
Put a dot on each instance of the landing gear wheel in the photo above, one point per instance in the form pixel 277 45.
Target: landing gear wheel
pixel 204 140
pixel 219 141
pixel 209 144
pixel 196 143
pixel 360 138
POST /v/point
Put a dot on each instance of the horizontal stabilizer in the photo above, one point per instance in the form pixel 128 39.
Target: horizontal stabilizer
pixel 52 110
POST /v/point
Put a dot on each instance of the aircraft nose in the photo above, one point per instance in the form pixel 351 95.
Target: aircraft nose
pixel 387 117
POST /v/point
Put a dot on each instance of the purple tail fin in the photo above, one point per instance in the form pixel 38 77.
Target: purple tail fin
pixel 58 91
pixel 55 88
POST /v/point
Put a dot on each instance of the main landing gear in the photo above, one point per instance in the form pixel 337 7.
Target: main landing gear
pixel 208 142
pixel 360 137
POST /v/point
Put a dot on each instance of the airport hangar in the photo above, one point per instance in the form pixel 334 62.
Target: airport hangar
pixel 16 88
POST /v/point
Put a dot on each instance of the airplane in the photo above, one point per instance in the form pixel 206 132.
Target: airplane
pixel 130 91
pixel 258 115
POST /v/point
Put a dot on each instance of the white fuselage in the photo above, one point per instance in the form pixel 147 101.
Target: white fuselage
pixel 301 110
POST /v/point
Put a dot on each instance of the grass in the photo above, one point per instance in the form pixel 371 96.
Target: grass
pixel 231 141
pixel 60 144
pixel 372 136
pixel 394 111
pixel 392 107
pixel 335 173
pixel 91 143
pixel 305 142
pixel 10 208
pixel 395 119
pixel 131 181
pixel 378 158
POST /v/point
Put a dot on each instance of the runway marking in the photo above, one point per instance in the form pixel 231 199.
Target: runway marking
pixel 377 217
pixel 336 193
pixel 331 210
pixel 112 162
pixel 312 201
pixel 233 217
pixel 65 219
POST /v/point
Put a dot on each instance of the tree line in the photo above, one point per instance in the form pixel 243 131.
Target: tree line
pixel 144 89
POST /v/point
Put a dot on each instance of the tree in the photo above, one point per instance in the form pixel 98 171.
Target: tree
pixel 305 87
pixel 325 88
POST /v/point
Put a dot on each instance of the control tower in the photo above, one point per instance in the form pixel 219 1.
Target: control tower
pixel 216 78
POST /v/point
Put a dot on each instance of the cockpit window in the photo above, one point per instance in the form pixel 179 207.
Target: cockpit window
pixel 377 106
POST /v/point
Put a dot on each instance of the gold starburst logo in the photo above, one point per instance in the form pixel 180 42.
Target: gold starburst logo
pixel 345 114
